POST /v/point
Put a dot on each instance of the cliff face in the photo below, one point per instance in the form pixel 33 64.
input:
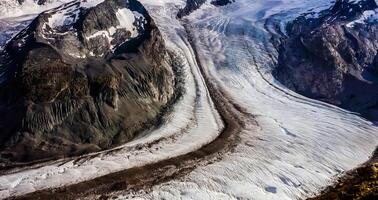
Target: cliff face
pixel 83 77
pixel 333 57
pixel 221 2
pixel 192 5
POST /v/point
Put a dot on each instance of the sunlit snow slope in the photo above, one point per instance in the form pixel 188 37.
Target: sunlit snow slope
pixel 300 144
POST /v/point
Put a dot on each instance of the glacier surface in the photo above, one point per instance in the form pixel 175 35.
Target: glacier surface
pixel 300 145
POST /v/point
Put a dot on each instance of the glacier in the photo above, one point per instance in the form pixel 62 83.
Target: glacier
pixel 299 145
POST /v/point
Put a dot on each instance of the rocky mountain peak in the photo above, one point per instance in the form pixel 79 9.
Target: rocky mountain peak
pixel 81 29
pixel 75 79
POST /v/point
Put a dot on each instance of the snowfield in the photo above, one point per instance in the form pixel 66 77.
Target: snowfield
pixel 298 147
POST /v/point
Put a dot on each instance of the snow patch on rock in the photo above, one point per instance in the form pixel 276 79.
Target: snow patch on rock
pixel 126 19
pixel 61 21
pixel 65 16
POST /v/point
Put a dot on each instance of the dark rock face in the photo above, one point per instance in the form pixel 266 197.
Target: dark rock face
pixel 81 79
pixel 42 2
pixel 221 2
pixel 333 58
pixel 191 5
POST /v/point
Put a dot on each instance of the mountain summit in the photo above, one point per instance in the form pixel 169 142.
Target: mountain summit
pixel 82 77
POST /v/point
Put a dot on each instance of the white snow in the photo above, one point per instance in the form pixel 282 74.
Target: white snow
pixel 126 19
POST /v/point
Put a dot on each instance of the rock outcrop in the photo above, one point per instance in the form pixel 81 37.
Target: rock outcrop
pixel 192 5
pixel 333 56
pixel 83 77
pixel 221 2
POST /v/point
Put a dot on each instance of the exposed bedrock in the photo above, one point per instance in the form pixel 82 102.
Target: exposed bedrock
pixel 221 2
pixel 83 77
pixel 192 5
pixel 333 57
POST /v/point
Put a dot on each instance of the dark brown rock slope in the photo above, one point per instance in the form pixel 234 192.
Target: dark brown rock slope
pixel 78 80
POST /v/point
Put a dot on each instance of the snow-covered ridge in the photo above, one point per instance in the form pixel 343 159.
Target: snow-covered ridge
pixel 15 16
pixel 126 23
pixel 67 15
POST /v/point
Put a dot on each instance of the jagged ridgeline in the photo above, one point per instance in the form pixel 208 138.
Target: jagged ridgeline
pixel 83 77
